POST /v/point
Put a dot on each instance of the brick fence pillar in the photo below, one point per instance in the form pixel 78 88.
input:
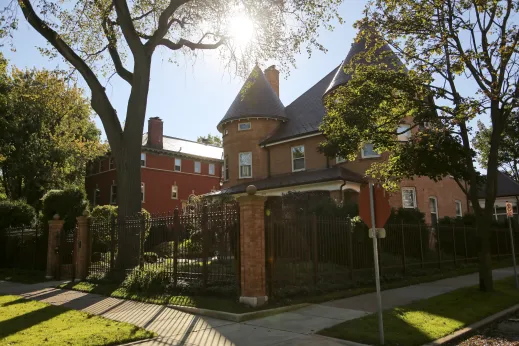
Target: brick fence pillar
pixel 84 248
pixel 252 248
pixel 55 227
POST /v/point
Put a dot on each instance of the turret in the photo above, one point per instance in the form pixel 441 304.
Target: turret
pixel 254 115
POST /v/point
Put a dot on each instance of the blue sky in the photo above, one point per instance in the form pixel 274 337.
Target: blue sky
pixel 192 98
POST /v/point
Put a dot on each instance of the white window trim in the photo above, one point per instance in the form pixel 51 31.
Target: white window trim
pixel 143 192
pixel 436 204
pixel 112 194
pixel 239 165
pixel 367 156
pixel 176 191
pixel 226 168
pixel 175 165
pixel 339 159
pixel 250 126
pixel 199 166
pixel 414 197
pixel 95 201
pixel 405 135
pixel 304 158
pixel 456 202
pixel 111 163
pixel 209 169
pixel 143 155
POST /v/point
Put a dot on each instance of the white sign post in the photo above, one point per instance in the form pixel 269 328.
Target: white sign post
pixel 375 258
pixel 510 214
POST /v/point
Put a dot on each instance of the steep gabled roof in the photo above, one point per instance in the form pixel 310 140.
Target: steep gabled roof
pixel 306 113
pixel 186 147
pixel 506 187
pixel 256 99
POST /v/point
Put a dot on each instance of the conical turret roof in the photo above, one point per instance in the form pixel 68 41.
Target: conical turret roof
pixel 256 99
pixel 359 46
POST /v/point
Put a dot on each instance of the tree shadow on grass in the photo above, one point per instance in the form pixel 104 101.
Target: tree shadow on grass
pixel 27 320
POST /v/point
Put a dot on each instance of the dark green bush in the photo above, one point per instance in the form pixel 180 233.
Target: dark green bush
pixel 68 204
pixel 104 213
pixel 150 257
pixel 407 216
pixel 15 214
pixel 165 250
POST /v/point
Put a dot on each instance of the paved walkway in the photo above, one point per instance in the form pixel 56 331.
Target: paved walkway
pixel 291 328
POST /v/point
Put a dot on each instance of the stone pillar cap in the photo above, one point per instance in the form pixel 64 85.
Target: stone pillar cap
pixel 251 190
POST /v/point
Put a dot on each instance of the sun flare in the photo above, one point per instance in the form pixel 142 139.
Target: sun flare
pixel 241 29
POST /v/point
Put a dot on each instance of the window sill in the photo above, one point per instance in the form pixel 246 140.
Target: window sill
pixel 244 178
pixel 299 170
pixel 370 157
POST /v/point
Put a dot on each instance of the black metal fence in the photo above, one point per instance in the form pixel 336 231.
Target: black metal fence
pixel 23 248
pixel 193 249
pixel 325 253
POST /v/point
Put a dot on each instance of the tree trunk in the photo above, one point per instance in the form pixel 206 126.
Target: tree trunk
pixel 486 283
pixel 128 165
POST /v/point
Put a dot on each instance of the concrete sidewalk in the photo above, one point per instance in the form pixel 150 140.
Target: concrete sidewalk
pixel 297 327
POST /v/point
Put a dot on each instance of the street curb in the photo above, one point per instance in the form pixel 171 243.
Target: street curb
pixel 228 316
pixel 462 332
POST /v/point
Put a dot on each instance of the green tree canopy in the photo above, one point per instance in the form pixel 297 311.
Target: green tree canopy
pixel 210 139
pixel 508 151
pixel 461 61
pixel 47 136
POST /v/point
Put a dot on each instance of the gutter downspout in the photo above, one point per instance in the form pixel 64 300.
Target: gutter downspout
pixel 340 190
pixel 268 162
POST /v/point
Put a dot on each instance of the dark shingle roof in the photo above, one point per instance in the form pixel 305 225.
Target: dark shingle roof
pixel 255 99
pixel 298 178
pixel 306 113
pixel 506 187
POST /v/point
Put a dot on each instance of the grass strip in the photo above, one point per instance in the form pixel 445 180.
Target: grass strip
pixel 429 319
pixel 27 322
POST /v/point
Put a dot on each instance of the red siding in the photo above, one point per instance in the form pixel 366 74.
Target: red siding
pixel 158 177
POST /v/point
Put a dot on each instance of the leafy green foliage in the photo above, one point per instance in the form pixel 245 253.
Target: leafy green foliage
pixel 508 155
pixel 48 134
pixel 210 139
pixel 104 213
pixel 68 204
pixel 16 213
pixel 406 216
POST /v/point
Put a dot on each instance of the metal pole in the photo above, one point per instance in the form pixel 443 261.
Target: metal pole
pixel 375 262
pixel 513 251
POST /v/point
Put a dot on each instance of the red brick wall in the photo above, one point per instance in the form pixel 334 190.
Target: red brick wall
pixel 446 192
pixel 158 177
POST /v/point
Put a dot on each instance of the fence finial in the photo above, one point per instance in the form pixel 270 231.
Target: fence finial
pixel 251 190
pixel 56 217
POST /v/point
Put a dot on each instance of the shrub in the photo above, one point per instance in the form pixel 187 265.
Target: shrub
pixel 68 204
pixel 15 214
pixel 104 213
pixel 165 249
pixel 405 215
pixel 150 257
pixel 190 248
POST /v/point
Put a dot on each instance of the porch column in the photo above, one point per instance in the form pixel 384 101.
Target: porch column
pixel 83 248
pixel 55 227
pixel 252 248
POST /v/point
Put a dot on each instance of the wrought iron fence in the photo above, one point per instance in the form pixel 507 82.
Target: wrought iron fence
pixel 196 248
pixel 22 248
pixel 324 253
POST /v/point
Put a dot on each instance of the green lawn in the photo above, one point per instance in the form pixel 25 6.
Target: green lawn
pixel 203 302
pixel 430 319
pixel 26 322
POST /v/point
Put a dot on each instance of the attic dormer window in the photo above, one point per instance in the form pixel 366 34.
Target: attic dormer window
pixel 244 126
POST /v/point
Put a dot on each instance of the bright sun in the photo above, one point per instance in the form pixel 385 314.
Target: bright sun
pixel 241 29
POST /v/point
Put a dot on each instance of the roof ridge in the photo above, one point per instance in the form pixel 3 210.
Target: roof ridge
pixel 189 140
pixel 319 81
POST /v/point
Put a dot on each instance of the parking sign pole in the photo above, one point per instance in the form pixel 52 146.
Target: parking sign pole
pixel 375 259
pixel 510 214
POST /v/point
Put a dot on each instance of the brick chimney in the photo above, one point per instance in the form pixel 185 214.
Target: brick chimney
pixel 272 75
pixel 155 130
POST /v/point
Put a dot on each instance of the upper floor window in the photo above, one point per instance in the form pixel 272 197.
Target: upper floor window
pixel 111 164
pixel 211 169
pixel 404 132
pixel 100 166
pixel 178 165
pixel 174 192
pixel 244 126
pixel 226 132
pixel 408 197
pixel 97 196
pixel 245 160
pixel 113 194
pixel 459 209
pixel 198 167
pixel 226 167
pixel 298 158
pixel 143 159
pixel 339 159
pixel 143 191
pixel 368 151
